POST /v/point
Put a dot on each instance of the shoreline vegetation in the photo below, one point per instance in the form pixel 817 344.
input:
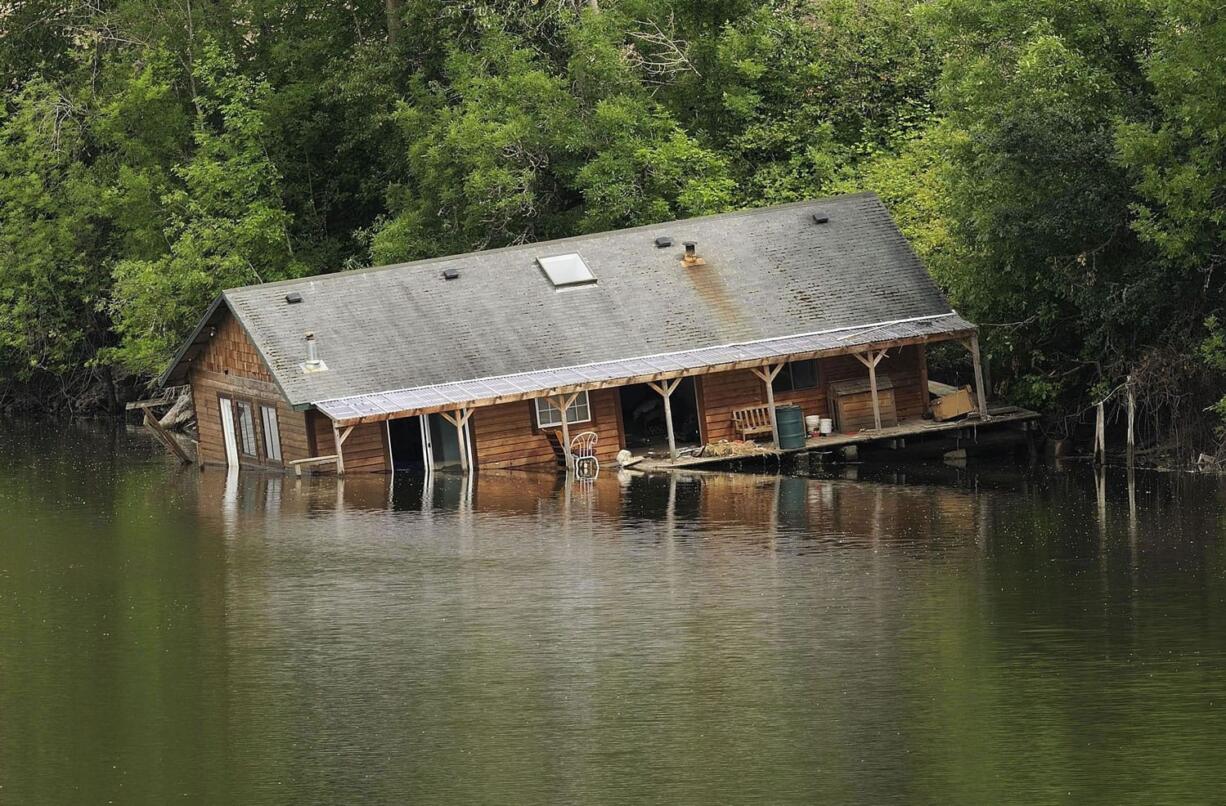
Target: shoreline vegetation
pixel 1059 167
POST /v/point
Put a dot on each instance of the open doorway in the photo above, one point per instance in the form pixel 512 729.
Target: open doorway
pixel 405 440
pixel 643 416
pixel 437 448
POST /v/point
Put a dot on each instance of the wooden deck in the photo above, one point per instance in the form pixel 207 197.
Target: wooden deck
pixel 1000 417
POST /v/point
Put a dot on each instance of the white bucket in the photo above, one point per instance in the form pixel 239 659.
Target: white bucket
pixel 812 423
pixel 827 426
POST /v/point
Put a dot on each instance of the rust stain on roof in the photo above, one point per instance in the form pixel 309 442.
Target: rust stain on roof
pixel 710 287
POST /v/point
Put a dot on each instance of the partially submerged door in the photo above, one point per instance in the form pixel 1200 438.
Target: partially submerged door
pixel 444 441
pixel 228 436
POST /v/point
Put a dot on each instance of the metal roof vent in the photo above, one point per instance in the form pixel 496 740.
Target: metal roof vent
pixel 313 363
pixel 663 242
pixel 691 257
pixel 566 271
pixel 820 218
pixel 451 274
pixel 293 298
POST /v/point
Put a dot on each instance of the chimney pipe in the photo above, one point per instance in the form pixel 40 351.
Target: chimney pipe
pixel 691 257
pixel 312 352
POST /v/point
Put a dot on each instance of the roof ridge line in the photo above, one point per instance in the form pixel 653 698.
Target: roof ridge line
pixel 441 259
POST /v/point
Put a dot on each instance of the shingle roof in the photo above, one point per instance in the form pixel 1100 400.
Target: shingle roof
pixel 769 273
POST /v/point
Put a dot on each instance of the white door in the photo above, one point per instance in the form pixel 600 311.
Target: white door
pixel 228 437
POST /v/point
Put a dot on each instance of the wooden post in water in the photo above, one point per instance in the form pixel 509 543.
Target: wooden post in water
pixel 460 419
pixel 1100 433
pixel 563 403
pixel 339 441
pixel 1132 419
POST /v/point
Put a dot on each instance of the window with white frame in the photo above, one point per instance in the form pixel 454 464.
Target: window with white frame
pixel 548 415
pixel 272 435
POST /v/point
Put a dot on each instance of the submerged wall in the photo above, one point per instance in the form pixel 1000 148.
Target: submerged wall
pixel 506 435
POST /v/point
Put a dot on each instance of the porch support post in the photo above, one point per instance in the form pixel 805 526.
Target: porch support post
pixel 665 390
pixel 460 419
pixel 871 360
pixel 563 402
pixel 972 344
pixel 767 375
pixel 339 439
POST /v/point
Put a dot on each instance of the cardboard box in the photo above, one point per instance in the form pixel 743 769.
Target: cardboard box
pixel 953 405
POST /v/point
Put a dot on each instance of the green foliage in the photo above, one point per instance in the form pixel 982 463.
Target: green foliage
pixel 1213 353
pixel 1058 166
pixel 796 92
pixel 50 279
pixel 225 223
pixel 1178 154
pixel 505 151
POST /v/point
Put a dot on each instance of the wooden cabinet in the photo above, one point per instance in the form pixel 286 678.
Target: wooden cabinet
pixel 852 404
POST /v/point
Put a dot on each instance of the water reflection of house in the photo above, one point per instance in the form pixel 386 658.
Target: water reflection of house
pixel 745 507
pixel 654 333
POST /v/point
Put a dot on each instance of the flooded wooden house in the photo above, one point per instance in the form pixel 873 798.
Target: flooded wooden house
pixel 686 333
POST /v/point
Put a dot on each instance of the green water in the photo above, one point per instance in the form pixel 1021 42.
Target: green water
pixel 914 636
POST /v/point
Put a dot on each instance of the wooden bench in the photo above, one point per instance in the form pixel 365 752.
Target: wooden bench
pixel 752 421
pixel 298 464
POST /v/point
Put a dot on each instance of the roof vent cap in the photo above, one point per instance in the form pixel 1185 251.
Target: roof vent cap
pixel 691 257
pixel 293 298
pixel 663 242
pixel 820 218
pixel 451 274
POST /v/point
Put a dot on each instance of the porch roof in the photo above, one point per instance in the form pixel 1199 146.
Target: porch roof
pixel 562 380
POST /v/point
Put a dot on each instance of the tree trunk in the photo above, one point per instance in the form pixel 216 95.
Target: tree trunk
pixel 393 21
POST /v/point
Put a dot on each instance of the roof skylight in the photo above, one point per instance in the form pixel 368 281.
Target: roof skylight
pixel 565 271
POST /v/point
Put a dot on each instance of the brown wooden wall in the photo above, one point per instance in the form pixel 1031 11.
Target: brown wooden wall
pixel 723 393
pixel 365 449
pixel 506 436
pixel 230 365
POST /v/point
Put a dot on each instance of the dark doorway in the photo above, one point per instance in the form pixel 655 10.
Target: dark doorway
pixel 643 416
pixel 407 450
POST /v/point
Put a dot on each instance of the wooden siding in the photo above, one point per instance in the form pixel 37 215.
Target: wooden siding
pixel 723 393
pixel 365 449
pixel 506 436
pixel 230 365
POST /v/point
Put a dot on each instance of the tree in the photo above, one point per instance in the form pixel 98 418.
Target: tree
pixel 51 279
pixel 224 222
